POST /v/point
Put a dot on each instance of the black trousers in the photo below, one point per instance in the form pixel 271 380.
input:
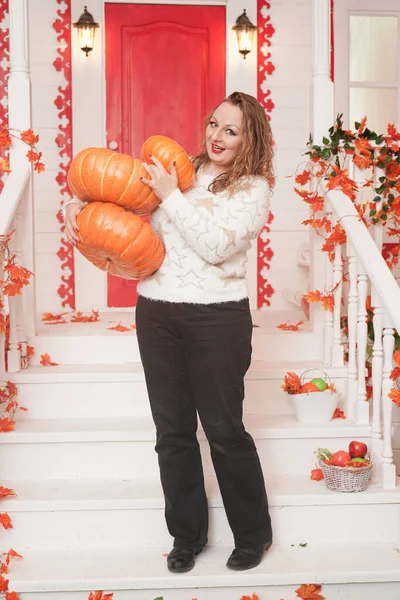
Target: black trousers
pixel 195 357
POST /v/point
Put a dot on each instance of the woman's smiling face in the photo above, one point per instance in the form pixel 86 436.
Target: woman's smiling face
pixel 224 136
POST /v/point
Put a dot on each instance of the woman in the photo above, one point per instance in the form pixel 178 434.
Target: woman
pixel 194 330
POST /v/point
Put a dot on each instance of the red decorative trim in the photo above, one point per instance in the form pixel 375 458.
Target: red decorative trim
pixel 62 25
pixel 4 70
pixel 265 70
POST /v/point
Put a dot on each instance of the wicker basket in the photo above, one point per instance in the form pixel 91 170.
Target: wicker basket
pixel 347 479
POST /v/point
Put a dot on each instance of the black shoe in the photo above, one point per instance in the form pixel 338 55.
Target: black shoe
pixel 181 559
pixel 242 559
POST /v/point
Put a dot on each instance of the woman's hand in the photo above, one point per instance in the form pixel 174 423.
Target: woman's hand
pixel 162 183
pixel 71 212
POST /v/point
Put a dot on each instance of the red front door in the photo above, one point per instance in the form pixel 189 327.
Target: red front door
pixel 165 70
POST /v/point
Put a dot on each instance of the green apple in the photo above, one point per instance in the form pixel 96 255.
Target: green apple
pixel 358 459
pixel 320 383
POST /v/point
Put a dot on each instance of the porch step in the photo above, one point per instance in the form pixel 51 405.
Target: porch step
pixel 130 513
pixel 347 572
pixel 91 343
pixel 106 448
pixel 111 391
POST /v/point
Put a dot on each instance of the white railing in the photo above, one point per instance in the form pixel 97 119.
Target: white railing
pixel 367 274
pixel 16 207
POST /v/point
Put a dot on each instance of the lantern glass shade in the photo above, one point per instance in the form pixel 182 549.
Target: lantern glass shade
pixel 245 33
pixel 86 27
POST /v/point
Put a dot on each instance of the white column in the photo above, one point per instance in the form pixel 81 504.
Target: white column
pixel 322 117
pixel 388 469
pixel 20 118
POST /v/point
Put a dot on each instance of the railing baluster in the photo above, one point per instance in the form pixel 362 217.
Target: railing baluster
pixel 377 375
pixel 352 309
pixel 388 469
pixel 362 413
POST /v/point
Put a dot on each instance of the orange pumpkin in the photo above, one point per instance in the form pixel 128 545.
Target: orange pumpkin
pixel 117 241
pixel 167 151
pixel 99 174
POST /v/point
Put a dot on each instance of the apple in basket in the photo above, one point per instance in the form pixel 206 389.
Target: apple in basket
pixel 339 459
pixel 357 449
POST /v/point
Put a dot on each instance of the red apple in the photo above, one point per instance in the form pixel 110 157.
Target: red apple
pixel 340 458
pixel 357 449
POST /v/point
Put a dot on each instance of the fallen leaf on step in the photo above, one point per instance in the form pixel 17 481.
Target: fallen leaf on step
pixel 12 596
pixel 6 425
pixel 46 361
pixel 133 326
pixel 165 554
pixel 54 318
pixel 303 545
pixel 5 521
pixel 309 592
pixel 100 596
pixel 252 597
pixel 5 492
pixel 3 584
pixel 338 414
pixel 316 475
pixel 81 318
pixel 5 558
pixel 119 327
pixel 289 327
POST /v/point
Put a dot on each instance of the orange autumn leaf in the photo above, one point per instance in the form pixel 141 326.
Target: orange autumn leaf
pixel 12 554
pixel 56 317
pixel 33 156
pixel 303 178
pixel 11 288
pixel 252 597
pixel 338 414
pixel 100 596
pixel 328 302
pixel 312 297
pixel 133 326
pixel 324 223
pixel 394 395
pixel 5 165
pixel 28 136
pixel 3 584
pixel 5 521
pixel 5 492
pixel 363 146
pixel 338 236
pixel 362 162
pixel 39 167
pixel 81 318
pixel 341 180
pixel 119 327
pixel 12 596
pixel 309 592
pixel 315 201
pixel 6 425
pixel 362 125
pixel 46 361
pixel 289 327
pixel 292 383
pixel 316 475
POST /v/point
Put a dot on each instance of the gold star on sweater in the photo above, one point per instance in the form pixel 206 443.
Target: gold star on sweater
pixel 207 203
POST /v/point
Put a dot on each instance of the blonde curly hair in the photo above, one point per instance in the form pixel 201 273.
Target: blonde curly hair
pixel 256 156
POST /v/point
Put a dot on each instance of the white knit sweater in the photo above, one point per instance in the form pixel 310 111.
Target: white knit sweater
pixel 206 238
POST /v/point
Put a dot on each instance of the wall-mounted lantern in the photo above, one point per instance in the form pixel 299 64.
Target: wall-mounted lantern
pixel 245 32
pixel 86 27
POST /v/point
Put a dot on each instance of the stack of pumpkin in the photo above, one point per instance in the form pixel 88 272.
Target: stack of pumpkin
pixel 111 234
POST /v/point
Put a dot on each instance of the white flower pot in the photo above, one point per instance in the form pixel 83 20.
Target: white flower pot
pixel 315 407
